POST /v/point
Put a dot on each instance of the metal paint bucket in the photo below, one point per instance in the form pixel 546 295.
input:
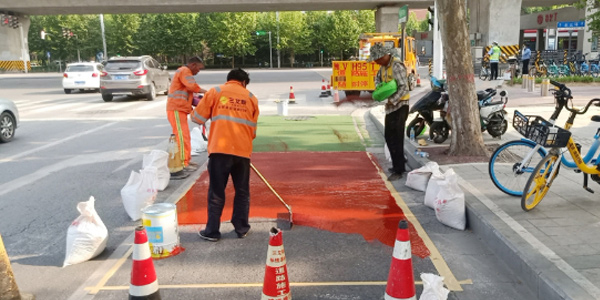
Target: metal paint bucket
pixel 161 225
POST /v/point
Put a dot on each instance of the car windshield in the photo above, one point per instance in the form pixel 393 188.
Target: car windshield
pixel 122 65
pixel 80 68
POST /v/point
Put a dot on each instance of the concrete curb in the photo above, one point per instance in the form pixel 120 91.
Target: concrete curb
pixel 534 269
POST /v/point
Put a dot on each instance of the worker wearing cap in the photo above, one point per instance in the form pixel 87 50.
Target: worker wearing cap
pixel 396 106
pixel 494 54
pixel 179 106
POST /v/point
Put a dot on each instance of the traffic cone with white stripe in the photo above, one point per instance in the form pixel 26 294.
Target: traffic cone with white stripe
pixel 323 90
pixel 418 80
pixel 328 88
pixel 292 98
pixel 401 282
pixel 336 95
pixel 144 285
pixel 276 285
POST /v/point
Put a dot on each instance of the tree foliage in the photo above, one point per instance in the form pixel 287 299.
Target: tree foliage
pixel 230 37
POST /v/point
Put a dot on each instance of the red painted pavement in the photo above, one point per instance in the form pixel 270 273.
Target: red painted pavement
pixel 335 191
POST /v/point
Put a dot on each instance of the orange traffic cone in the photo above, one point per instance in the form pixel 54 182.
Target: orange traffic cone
pixel 401 283
pixel 328 88
pixel 323 90
pixel 336 96
pixel 292 98
pixel 418 80
pixel 144 285
pixel 276 285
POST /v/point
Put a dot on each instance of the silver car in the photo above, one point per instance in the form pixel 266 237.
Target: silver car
pixel 9 120
pixel 134 75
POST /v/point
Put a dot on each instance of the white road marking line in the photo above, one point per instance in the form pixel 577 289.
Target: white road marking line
pixel 25 153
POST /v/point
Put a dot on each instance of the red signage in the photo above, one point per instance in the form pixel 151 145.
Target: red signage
pixel 547 18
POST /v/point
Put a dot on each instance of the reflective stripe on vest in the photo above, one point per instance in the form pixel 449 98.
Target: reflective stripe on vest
pixel 233 119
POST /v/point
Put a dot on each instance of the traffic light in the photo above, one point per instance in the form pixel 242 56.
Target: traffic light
pixel 431 16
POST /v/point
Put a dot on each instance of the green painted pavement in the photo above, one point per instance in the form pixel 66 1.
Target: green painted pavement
pixel 306 133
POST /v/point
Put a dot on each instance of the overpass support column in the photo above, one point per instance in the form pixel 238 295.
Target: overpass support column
pixel 386 19
pixel 14 50
pixel 494 20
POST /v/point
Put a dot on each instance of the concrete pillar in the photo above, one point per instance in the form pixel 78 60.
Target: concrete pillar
pixel 585 36
pixel 479 21
pixel 504 21
pixel 386 19
pixel 15 49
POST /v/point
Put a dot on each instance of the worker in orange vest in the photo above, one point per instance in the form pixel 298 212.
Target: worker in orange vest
pixel 233 111
pixel 179 106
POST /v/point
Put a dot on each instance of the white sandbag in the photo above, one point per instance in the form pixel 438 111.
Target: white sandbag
pixel 160 160
pixel 386 150
pixel 450 203
pixel 417 179
pixel 433 188
pixel 86 236
pixel 139 192
pixel 433 287
pixel 197 141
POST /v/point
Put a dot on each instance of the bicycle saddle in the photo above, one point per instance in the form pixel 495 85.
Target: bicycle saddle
pixel 596 118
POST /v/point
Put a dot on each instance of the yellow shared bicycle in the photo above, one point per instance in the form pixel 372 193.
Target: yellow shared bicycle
pixel 556 138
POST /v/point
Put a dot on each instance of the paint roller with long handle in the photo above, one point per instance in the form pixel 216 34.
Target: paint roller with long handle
pixel 289 208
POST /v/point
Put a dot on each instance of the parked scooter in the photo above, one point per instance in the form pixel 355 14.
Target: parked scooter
pixel 491 112
pixel 426 106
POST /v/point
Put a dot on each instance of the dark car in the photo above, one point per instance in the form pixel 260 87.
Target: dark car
pixel 138 76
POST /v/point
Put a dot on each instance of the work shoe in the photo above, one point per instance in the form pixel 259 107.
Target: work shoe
pixel 190 168
pixel 203 236
pixel 241 236
pixel 394 176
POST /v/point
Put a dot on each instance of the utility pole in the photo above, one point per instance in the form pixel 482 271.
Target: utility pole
pixel 278 53
pixel 270 52
pixel 105 56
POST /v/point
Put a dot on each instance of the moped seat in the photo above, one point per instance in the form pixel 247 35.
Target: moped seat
pixel 596 118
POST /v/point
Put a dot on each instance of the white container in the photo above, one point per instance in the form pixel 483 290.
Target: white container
pixel 161 225
pixel 282 107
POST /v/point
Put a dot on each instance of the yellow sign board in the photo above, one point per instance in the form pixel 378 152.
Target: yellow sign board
pixel 354 75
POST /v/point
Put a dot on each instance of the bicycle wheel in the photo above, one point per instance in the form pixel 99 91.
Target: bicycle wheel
pixel 539 182
pixel 483 74
pixel 506 167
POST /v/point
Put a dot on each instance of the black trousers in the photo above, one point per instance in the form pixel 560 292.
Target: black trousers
pixel 494 70
pixel 525 66
pixel 220 166
pixel 395 122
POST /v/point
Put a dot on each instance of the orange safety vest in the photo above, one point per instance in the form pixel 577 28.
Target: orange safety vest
pixel 181 91
pixel 233 111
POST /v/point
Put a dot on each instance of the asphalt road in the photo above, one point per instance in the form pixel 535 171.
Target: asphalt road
pixel 71 147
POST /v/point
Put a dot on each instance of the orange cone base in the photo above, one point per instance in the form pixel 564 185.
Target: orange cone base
pixel 165 254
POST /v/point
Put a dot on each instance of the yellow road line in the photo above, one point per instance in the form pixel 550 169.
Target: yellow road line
pixel 101 284
pixel 244 285
pixel 436 257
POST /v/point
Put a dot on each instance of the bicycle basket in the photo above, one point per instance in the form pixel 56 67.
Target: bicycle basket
pixel 540 131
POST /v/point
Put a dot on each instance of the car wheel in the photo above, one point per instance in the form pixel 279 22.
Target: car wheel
pixel 152 93
pixel 107 97
pixel 7 127
pixel 168 87
pixel 67 91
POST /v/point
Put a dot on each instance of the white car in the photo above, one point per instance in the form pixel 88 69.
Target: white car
pixel 9 120
pixel 82 76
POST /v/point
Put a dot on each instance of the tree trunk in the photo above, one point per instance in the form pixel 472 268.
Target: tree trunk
pixel 233 62
pixel 292 58
pixel 466 137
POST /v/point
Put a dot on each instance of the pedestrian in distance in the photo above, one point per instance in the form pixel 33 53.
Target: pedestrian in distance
pixel 525 57
pixel 396 106
pixel 233 111
pixel 179 106
pixel 494 55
